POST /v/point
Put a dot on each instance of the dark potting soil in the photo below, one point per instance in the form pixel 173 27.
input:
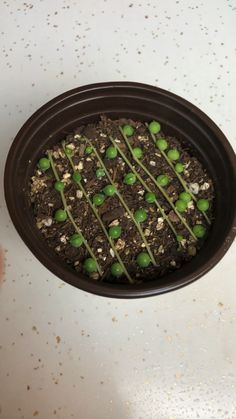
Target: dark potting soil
pixel 168 253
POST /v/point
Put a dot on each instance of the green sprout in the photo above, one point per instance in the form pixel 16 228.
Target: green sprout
pixel 184 222
pixel 143 260
pixel 120 197
pixel 170 156
pixel 44 164
pixel 148 190
pixel 116 269
pixel 98 201
pixel 68 212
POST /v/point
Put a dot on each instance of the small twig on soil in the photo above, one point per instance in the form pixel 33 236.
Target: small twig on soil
pixel 114 174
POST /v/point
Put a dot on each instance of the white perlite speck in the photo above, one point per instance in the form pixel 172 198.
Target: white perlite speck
pixel 66 175
pixel 190 205
pixel 142 138
pixel 183 242
pixel 141 192
pixel 79 166
pixel 152 163
pixel 63 239
pixel 194 188
pixel 120 244
pixel 205 186
pixel 55 154
pixel 161 249
pixel 114 223
pixel 71 146
pixel 112 253
pixel 160 223
pixel 61 153
pixel 79 194
pixel 127 215
pixel 48 222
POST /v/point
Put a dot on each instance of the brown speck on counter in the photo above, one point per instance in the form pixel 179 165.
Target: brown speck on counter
pixel 58 339
pixel 34 328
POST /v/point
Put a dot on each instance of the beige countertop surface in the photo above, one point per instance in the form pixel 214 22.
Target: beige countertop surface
pixel 67 354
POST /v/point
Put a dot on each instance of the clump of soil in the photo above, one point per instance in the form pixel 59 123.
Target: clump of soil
pixel 170 252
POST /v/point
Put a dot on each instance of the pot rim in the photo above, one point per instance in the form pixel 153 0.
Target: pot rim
pixel 108 290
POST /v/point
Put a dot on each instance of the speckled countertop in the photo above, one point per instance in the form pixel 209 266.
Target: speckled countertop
pixel 67 354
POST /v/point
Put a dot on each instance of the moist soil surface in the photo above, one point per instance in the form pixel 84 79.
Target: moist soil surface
pixel 169 254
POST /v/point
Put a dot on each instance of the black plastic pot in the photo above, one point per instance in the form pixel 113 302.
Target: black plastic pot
pixel 123 99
